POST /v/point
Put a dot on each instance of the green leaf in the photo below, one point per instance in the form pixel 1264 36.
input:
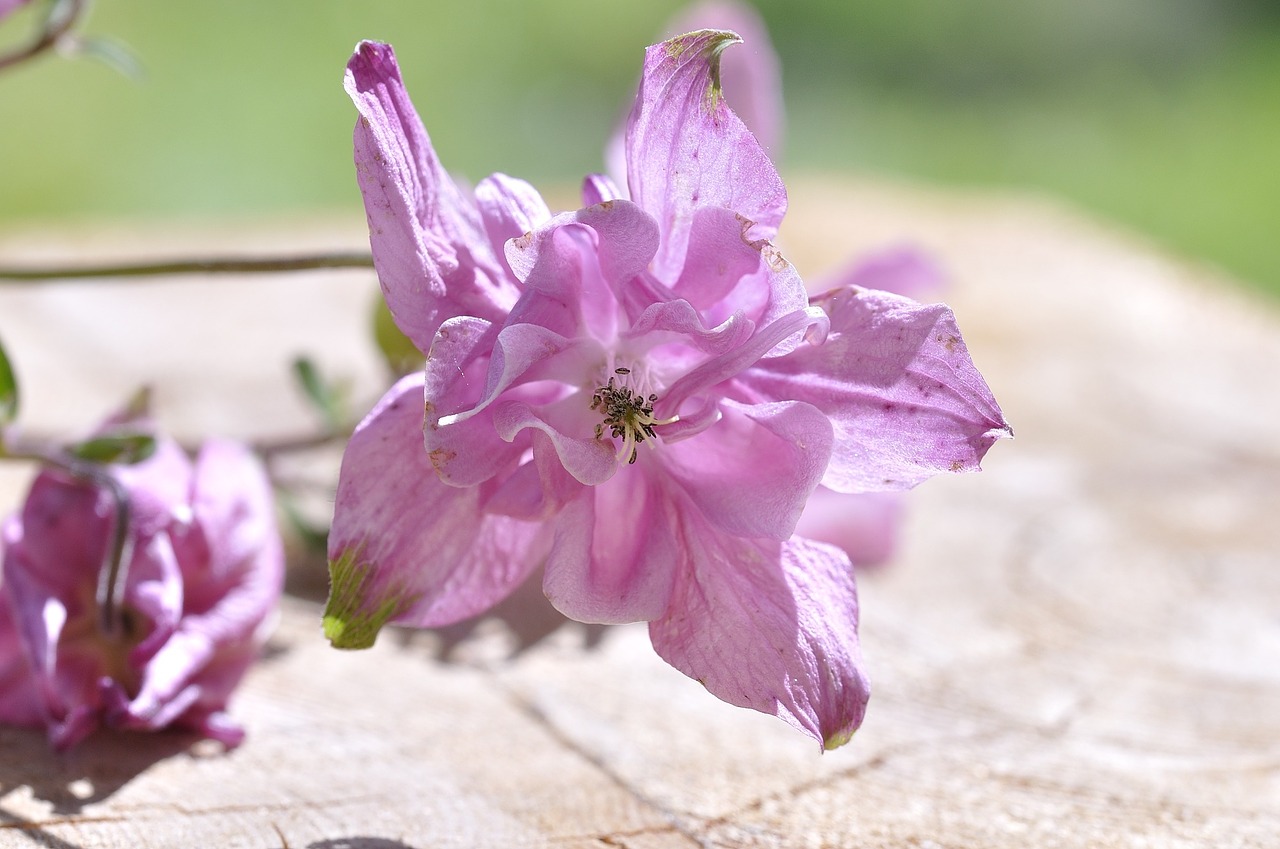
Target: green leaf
pixel 8 390
pixel 401 355
pixel 125 447
pixel 324 396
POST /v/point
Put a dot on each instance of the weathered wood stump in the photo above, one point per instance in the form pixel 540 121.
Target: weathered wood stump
pixel 1079 647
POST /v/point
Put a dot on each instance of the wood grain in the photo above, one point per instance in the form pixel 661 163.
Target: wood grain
pixel 1079 647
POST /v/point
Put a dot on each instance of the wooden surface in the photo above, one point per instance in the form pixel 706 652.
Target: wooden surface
pixel 1079 647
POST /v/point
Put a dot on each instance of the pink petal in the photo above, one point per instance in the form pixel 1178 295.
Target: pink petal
pixel 598 188
pixel 678 322
pixel 590 461
pixel 896 379
pixel 154 590
pixel 903 270
pixel 726 271
pixel 406 547
pixel 157 487
pixel 613 558
pixel 686 148
pixel 63 525
pixel 19 696
pixel 430 247
pixel 232 565
pixel 735 361
pixel 771 626
pixel 719 257
pixel 233 508
pixel 751 473
pixel 468 370
pixel 509 207
pixel 576 267
pixel 864 525
pixel 537 489
pixel 751 75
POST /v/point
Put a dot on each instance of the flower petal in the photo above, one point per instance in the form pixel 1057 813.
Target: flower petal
pixel 407 547
pixel 614 556
pixel 751 473
pixel 430 247
pixel 719 256
pixel 863 524
pixel 509 207
pixel 576 268
pixel 686 148
pixel 19 697
pixel 63 525
pixel 590 461
pixel 598 188
pixel 733 362
pixel 771 626
pixel 232 576
pixel 751 75
pixel 904 270
pixel 896 379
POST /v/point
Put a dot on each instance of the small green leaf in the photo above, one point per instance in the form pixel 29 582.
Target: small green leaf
pixel 128 448
pixel 324 396
pixel 8 390
pixel 401 355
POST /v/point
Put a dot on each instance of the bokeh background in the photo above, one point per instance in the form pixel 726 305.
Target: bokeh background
pixel 1161 115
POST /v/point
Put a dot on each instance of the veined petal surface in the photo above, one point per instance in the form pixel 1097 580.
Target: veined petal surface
pixel 430 245
pixel 405 546
pixel 770 626
pixel 686 149
pixel 897 382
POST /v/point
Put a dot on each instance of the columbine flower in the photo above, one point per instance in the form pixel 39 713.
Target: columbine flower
pixel 201 572
pixel 639 395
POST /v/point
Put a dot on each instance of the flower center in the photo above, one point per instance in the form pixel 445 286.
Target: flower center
pixel 627 414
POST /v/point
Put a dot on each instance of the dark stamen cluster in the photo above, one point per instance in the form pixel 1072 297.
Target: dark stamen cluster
pixel 628 414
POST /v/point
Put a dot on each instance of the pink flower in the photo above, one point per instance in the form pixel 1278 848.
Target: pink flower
pixel 202 573
pixel 639 395
pixel 8 7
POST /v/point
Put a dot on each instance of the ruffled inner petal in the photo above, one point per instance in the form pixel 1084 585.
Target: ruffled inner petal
pixel 751 473
pixel 614 558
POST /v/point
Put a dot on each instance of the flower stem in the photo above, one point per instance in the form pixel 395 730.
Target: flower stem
pixel 56 27
pixel 213 265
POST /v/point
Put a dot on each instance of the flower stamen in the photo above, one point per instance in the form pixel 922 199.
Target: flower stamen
pixel 628 414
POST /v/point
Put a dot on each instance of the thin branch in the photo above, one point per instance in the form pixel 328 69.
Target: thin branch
pixel 214 265
pixel 56 27
pixel 269 449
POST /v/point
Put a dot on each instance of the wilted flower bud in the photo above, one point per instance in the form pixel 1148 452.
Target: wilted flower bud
pixel 161 639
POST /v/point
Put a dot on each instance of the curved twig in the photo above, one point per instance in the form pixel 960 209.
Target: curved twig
pixel 56 27
pixel 212 265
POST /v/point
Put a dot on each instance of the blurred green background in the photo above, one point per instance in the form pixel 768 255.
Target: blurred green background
pixel 1163 115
